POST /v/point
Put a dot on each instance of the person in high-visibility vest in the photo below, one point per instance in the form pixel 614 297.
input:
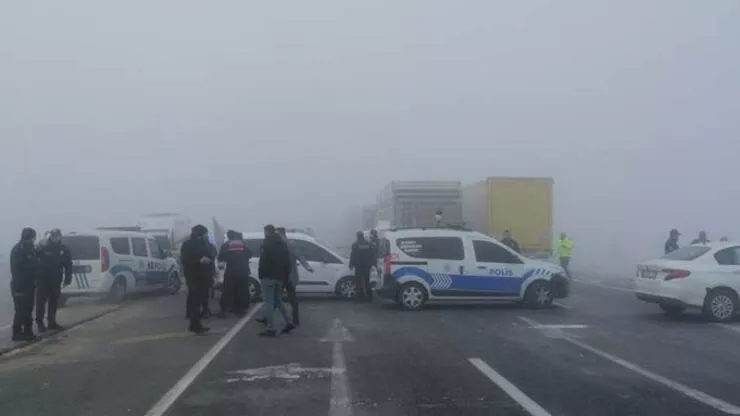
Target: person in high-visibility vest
pixel 565 251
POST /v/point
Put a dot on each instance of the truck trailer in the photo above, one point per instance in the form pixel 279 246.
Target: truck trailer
pixel 420 203
pixel 523 206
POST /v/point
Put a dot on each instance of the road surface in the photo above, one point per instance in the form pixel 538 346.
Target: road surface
pixel 600 353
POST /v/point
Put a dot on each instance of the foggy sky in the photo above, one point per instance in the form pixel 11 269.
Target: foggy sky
pixel 296 112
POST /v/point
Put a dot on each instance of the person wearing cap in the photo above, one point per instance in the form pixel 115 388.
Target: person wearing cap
pixel 672 243
pixel 361 260
pixel 235 291
pixel 55 267
pixel 197 263
pixel 292 283
pixel 24 270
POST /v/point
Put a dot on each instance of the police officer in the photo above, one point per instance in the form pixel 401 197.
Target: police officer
pixel 510 242
pixel 361 260
pixel 235 290
pixel 197 262
pixel 24 271
pixel 56 263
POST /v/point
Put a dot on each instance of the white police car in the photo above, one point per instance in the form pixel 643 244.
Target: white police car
pixel 430 264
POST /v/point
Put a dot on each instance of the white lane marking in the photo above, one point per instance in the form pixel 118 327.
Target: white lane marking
pixel 530 322
pixel 621 289
pixel 559 326
pixel 169 398
pixel 341 396
pixel 513 391
pixel 562 305
pixel 729 327
pixel 714 402
pixel 290 372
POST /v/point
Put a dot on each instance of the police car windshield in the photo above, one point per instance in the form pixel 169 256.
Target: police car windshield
pixel 83 247
pixel 687 253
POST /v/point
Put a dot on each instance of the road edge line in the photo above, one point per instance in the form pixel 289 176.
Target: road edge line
pixel 15 349
pixel 510 389
pixel 691 392
pixel 169 398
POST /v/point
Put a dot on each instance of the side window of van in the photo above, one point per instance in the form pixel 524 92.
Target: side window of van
pixel 139 246
pixel 440 248
pixel 154 251
pixel 120 245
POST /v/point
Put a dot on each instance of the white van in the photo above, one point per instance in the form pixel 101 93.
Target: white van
pixel 113 263
pixel 330 275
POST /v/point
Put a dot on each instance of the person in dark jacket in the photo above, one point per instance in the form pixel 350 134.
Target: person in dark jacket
pixel 672 243
pixel 274 271
pixel 702 239
pixel 510 242
pixel 362 259
pixel 292 283
pixel 197 263
pixel 55 267
pixel 24 268
pixel 235 290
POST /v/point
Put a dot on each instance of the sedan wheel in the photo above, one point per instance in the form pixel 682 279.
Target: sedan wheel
pixel 721 305
pixel 347 288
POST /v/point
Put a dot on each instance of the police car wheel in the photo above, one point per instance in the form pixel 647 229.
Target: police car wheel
pixel 412 296
pixel 174 283
pixel 117 292
pixel 347 287
pixel 255 290
pixel 538 295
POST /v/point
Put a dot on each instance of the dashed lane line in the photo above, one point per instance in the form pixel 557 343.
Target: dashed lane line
pixel 562 305
pixel 513 391
pixel 163 336
pixel 176 391
pixel 621 289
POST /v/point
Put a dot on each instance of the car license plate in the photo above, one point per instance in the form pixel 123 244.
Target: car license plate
pixel 649 274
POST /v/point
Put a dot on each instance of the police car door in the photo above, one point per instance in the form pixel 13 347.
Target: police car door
pixel 157 273
pixel 140 264
pixel 497 271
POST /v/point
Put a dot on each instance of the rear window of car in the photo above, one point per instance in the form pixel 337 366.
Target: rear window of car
pixel 687 253
pixel 83 247
pixel 442 248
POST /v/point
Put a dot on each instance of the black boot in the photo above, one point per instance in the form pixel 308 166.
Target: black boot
pixel 18 335
pixel 55 326
pixel 41 327
pixel 28 334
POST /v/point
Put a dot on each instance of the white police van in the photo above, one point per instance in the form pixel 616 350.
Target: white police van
pixel 112 262
pixel 330 273
pixel 432 264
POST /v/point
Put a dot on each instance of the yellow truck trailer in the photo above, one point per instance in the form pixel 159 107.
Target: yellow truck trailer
pixel 522 205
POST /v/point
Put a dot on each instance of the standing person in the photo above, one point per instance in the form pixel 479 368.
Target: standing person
pixel 55 266
pixel 24 271
pixel 292 283
pixel 197 261
pixel 206 306
pixel 510 242
pixel 235 289
pixel 565 251
pixel 671 244
pixel 361 260
pixel 274 271
pixel 702 239
pixel 375 246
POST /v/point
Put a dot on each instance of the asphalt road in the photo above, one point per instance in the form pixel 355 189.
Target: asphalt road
pixel 600 353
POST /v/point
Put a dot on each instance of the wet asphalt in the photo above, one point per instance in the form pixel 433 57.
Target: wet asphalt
pixel 601 352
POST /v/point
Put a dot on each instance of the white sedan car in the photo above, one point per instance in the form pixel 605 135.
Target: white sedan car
pixel 704 277
pixel 329 274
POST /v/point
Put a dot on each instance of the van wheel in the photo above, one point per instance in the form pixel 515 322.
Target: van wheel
pixel 538 295
pixel 412 296
pixel 347 288
pixel 118 291
pixel 720 305
pixel 255 289
pixel 174 283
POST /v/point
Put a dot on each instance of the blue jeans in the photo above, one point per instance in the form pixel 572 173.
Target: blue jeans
pixel 272 292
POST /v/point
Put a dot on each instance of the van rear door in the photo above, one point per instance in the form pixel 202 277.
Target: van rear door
pixel 86 263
